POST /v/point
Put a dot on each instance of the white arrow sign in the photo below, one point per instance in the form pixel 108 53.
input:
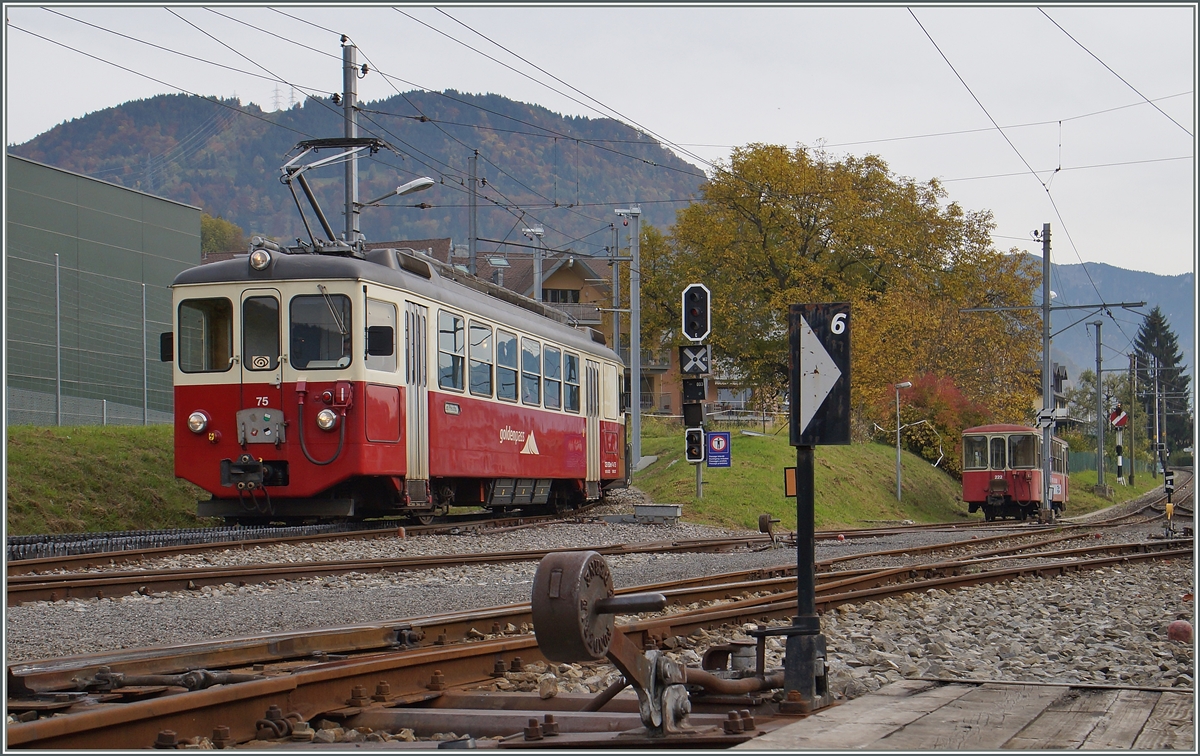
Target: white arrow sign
pixel 818 374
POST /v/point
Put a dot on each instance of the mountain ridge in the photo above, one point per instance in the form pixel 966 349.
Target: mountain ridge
pixel 568 172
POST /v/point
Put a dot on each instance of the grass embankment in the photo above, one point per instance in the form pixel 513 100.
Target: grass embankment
pixel 855 485
pixel 95 478
pixel 90 479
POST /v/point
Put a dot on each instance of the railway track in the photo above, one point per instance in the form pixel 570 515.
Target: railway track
pixel 116 699
pixel 60 579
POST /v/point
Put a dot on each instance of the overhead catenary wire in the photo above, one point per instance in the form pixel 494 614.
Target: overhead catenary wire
pixel 1114 73
pixel 1032 172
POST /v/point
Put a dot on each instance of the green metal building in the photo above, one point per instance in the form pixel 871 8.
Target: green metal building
pixel 87 270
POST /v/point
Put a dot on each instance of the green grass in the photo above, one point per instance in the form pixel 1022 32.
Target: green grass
pixel 854 485
pixel 95 478
pixel 91 478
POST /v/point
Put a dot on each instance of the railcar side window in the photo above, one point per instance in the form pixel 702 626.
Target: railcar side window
pixel 571 379
pixel 1058 461
pixel 205 335
pixel 997 462
pixel 320 331
pixel 552 361
pixel 481 359
pixel 260 333
pixel 506 366
pixel 380 313
pixel 1022 451
pixel 975 453
pixel 531 372
pixel 451 346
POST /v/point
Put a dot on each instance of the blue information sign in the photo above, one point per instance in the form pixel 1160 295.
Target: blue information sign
pixel 718 449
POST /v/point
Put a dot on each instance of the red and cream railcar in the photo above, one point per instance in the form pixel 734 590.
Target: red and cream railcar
pixel 1002 471
pixel 351 386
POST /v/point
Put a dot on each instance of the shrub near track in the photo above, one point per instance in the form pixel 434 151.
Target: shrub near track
pixel 95 478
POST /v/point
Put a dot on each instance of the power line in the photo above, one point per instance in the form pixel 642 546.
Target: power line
pixel 1114 73
pixel 1045 187
pixel 156 81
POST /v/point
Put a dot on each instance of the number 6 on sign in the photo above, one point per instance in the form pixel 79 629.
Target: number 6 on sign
pixel 820 373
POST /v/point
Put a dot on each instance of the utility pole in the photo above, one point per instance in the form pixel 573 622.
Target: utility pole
pixel 616 290
pixel 635 328
pixel 1047 512
pixel 1157 433
pixel 1101 419
pixel 1133 400
pixel 349 105
pixel 536 235
pixel 472 230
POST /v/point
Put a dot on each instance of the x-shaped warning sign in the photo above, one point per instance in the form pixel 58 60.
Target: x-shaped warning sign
pixel 695 359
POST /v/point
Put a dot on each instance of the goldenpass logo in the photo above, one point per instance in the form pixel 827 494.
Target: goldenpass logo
pixel 508 434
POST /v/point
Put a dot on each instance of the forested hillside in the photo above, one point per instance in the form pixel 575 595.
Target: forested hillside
pixel 1075 346
pixel 566 174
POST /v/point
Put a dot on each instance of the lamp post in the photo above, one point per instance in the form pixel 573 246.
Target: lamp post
pixel 901 385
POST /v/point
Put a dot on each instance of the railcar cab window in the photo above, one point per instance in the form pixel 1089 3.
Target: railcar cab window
pixel 1023 451
pixel 205 335
pixel 506 366
pixel 975 453
pixel 480 367
pixel 998 453
pixel 260 333
pixel 552 361
pixel 531 372
pixel 320 331
pixel 451 349
pixel 571 378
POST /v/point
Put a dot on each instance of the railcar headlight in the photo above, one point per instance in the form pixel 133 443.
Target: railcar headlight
pixel 260 259
pixel 197 421
pixel 327 419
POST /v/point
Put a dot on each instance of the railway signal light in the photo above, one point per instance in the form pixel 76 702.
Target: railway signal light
pixel 693 445
pixel 697 320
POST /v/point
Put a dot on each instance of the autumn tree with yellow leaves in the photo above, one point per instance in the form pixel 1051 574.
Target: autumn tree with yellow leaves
pixel 778 226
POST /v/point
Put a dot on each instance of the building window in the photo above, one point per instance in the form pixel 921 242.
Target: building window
pixel 560 296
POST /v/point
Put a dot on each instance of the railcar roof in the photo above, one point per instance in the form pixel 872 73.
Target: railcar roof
pixel 1001 428
pixel 389 271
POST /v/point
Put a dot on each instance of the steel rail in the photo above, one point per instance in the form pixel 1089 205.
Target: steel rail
pixel 321 689
pixel 55 587
pixel 62 674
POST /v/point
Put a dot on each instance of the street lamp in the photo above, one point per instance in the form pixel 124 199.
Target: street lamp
pixel 901 385
pixel 412 187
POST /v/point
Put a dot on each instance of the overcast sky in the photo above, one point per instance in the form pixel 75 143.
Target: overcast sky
pixel 926 93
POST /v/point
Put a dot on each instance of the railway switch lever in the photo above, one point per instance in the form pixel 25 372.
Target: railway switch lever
pixel 573 606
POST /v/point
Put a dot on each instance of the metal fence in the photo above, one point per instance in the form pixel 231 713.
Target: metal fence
pixel 37 408
pixel 86 343
pixel 1084 460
